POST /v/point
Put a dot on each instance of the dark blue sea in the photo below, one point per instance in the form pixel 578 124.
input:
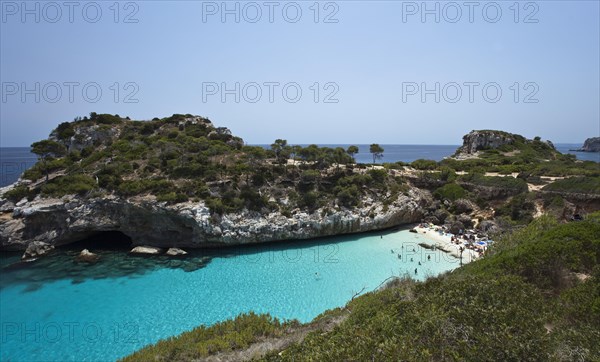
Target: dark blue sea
pixel 15 160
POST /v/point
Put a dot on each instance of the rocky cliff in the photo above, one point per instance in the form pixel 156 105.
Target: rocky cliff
pixel 480 140
pixel 180 181
pixel 147 222
pixel 590 145
pixel 476 141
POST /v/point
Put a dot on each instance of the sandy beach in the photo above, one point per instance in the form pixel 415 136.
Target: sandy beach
pixel 443 242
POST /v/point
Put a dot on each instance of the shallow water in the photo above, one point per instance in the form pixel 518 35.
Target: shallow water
pixel 56 309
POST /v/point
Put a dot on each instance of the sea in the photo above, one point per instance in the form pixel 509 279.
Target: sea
pixel 57 309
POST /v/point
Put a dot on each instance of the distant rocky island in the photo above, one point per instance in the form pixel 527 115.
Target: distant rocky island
pixel 181 182
pixel 590 145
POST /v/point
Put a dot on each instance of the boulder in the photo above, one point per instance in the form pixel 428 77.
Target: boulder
pixel 488 226
pixel 456 227
pixel 464 206
pixel 441 215
pixel 36 249
pixel 87 257
pixel 146 250
pixel 465 220
pixel 175 252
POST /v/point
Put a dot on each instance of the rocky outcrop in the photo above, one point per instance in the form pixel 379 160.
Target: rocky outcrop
pixel 87 136
pixel 191 224
pixel 87 257
pixel 480 140
pixel 146 250
pixel 36 249
pixel 476 141
pixel 590 145
pixel 176 252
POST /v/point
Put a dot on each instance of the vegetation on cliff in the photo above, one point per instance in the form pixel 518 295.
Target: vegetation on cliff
pixel 536 297
pixel 185 157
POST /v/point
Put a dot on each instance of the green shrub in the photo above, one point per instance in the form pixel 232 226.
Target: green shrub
pixel 450 192
pixel 222 337
pixel 422 164
pixel 348 196
pixel 172 197
pixel 515 185
pixel 587 185
pixel 378 176
pixel 70 184
pixel 18 193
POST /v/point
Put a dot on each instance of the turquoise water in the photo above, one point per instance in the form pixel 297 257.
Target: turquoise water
pixel 67 314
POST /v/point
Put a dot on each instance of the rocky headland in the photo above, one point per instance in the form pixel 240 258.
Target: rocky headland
pixel 590 145
pixel 181 182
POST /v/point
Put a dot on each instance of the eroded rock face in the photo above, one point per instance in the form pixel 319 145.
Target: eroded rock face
pixel 591 145
pixel 191 225
pixel 88 136
pixel 480 140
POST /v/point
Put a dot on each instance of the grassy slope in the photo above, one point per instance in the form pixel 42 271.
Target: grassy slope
pixel 522 303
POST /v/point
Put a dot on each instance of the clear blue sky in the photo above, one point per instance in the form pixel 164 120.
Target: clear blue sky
pixel 371 54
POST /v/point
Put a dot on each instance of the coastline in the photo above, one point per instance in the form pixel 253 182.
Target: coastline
pixel 443 241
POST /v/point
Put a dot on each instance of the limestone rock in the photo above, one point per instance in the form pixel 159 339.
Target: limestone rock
pixel 36 249
pixel 191 224
pixel 488 226
pixel 87 136
pixel 591 145
pixel 148 250
pixel 456 227
pixel 87 257
pixel 478 140
pixel 464 206
pixel 175 252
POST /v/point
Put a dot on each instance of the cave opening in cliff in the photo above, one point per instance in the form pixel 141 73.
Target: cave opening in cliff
pixel 103 240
